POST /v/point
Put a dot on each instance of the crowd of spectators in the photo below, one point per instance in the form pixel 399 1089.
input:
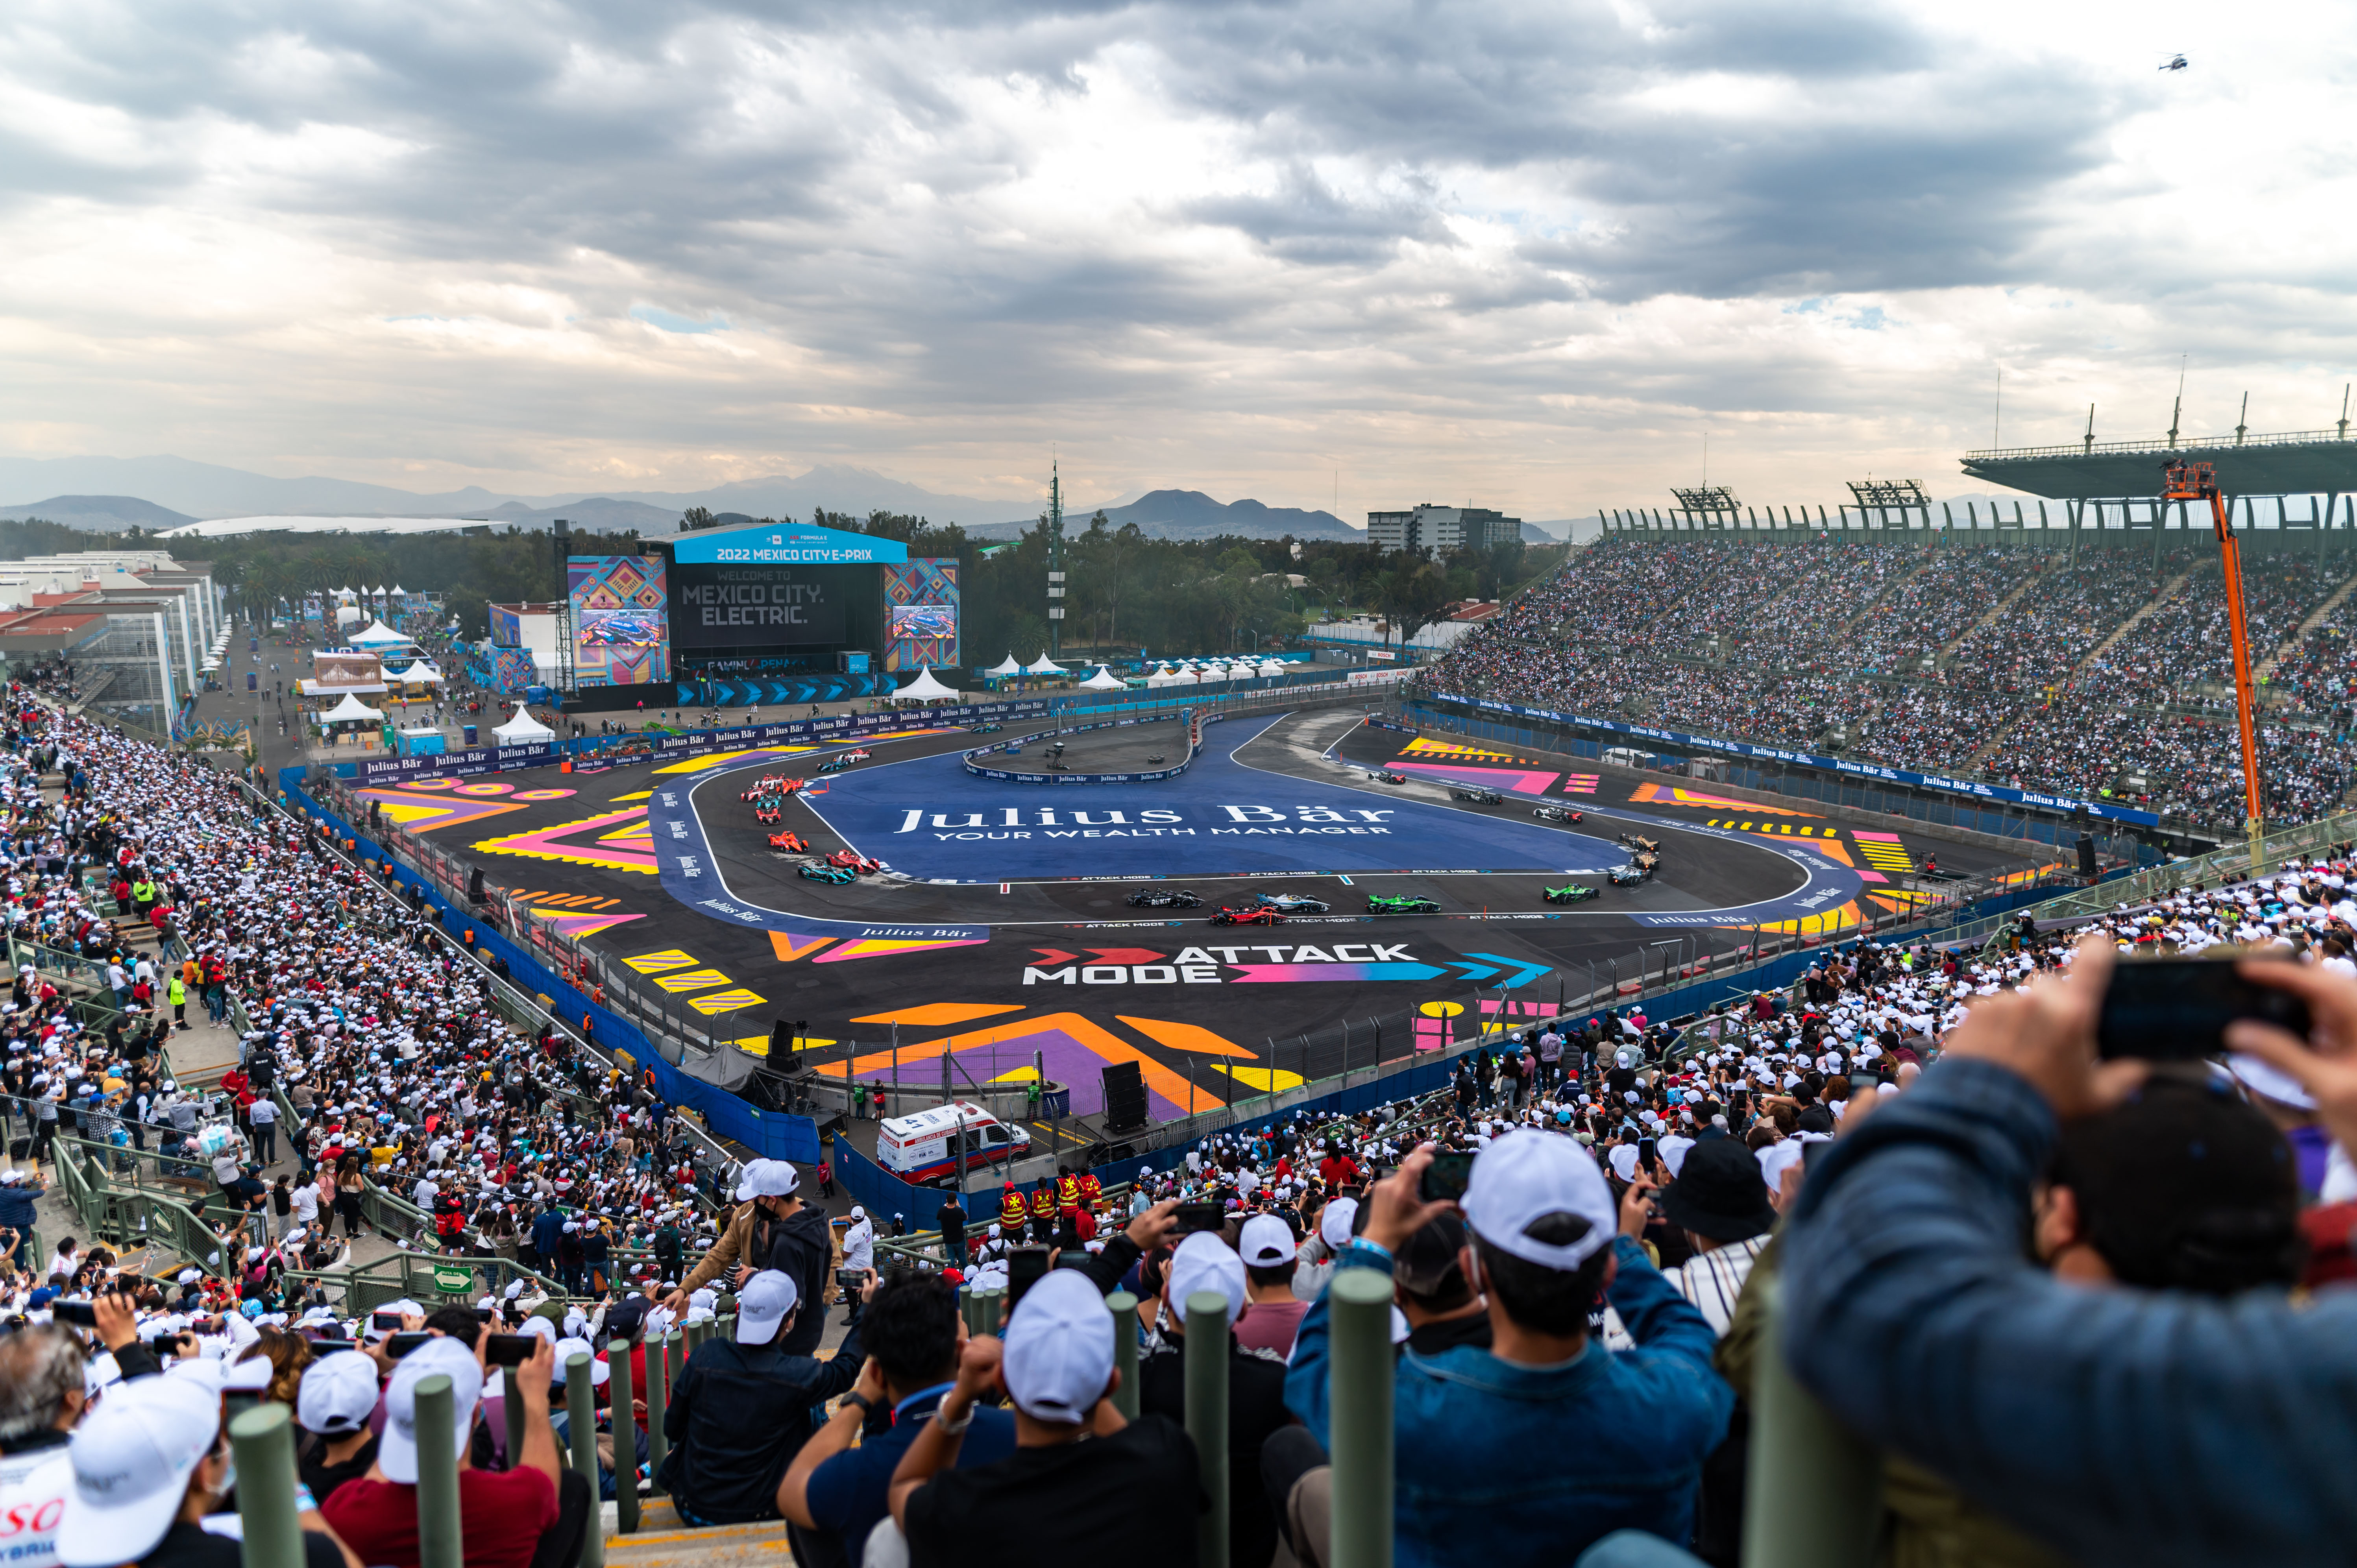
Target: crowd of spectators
pixel 2110 679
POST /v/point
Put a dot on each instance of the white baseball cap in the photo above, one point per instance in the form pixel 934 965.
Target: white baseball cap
pixel 1205 1262
pixel 397 1453
pixel 338 1395
pixel 573 1345
pixel 766 1178
pixel 765 1302
pixel 1266 1243
pixel 1523 1177
pixel 1335 1220
pixel 132 1459
pixel 1059 1355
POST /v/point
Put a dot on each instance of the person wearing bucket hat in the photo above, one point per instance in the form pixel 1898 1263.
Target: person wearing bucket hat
pixel 1720 1201
pixel 1545 1240
pixel 1080 1470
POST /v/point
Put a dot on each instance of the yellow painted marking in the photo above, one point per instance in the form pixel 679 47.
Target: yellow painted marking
pixel 725 1002
pixel 696 980
pixel 656 963
pixel 633 795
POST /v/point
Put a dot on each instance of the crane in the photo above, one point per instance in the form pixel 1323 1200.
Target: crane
pixel 2198 482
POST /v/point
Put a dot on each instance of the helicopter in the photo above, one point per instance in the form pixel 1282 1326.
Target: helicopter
pixel 2175 63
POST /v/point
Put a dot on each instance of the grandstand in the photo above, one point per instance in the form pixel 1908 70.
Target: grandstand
pixel 2091 664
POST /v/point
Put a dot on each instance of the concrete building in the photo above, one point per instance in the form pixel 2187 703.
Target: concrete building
pixel 135 625
pixel 1438 530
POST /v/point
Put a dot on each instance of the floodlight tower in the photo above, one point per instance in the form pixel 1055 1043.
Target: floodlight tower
pixel 1055 560
pixel 2198 482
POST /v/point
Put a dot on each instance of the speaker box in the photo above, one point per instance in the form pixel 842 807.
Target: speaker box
pixel 2087 856
pixel 1125 1095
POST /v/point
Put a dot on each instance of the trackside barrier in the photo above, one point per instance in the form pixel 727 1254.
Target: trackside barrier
pixel 773 1133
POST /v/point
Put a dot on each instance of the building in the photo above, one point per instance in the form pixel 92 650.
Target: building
pixel 1438 530
pixel 134 624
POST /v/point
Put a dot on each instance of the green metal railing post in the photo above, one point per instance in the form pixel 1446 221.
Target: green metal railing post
pixel 1206 1417
pixel 581 1421
pixel 263 1440
pixel 1360 1399
pixel 626 1443
pixel 512 1414
pixel 1812 1495
pixel 1123 1306
pixel 658 1396
pixel 440 1535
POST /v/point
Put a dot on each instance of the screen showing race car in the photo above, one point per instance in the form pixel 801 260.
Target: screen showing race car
pixel 621 633
pixel 924 620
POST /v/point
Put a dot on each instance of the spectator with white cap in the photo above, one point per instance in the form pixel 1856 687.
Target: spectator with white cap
pixel 1204 1263
pixel 338 1396
pixel 1273 1312
pixel 743 1406
pixel 149 1465
pixel 511 1516
pixel 1486 1426
pixel 1072 1490
pixel 772 1230
pixel 1315 1259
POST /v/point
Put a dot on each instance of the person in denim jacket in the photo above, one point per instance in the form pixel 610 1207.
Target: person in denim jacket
pixel 1544 1442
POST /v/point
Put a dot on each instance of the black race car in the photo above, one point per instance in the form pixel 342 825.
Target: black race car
pixel 1573 894
pixel 1163 899
pixel 1391 777
pixel 1557 814
pixel 1475 794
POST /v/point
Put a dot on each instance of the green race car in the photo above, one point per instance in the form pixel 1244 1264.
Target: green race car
pixel 1572 894
pixel 1401 904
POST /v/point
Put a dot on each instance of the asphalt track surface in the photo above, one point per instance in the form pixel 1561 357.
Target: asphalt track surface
pixel 998 952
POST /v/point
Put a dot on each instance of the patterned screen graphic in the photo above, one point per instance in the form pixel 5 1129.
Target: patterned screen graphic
pixel 621 636
pixel 920 608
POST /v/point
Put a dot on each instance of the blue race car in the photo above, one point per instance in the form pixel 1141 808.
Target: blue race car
pixel 834 765
pixel 820 871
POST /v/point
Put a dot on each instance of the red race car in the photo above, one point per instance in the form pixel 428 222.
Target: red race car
pixel 852 860
pixel 768 811
pixel 791 842
pixel 857 754
pixel 1258 914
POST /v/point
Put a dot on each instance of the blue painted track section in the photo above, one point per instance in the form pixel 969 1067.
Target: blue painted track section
pixel 931 820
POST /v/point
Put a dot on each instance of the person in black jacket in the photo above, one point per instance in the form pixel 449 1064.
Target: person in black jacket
pixel 774 1230
pixel 742 1409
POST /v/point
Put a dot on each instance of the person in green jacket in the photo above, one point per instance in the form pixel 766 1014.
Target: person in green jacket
pixel 178 993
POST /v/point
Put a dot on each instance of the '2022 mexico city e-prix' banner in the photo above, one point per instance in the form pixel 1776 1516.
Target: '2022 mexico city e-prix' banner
pixel 1841 765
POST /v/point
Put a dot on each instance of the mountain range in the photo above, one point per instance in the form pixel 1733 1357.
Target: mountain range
pixel 108 493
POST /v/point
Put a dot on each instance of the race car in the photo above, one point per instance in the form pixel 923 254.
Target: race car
pixel 1558 815
pixel 1163 899
pixel 817 872
pixel 770 811
pixel 1291 903
pixel 1388 778
pixel 1631 874
pixel 1256 915
pixel 1401 904
pixel 1574 893
pixel 1475 794
pixel 834 765
pixel 852 861
pixel 791 842
pixel 984 729
pixel 1640 843
pixel 857 754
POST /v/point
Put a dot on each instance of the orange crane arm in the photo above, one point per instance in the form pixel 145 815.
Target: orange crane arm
pixel 2198 481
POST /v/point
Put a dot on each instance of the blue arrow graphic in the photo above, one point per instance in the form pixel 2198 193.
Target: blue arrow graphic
pixel 1527 972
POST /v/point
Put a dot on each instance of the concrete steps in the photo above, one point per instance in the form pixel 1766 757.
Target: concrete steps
pixel 2168 592
pixel 2299 633
pixel 1947 651
pixel 662 1541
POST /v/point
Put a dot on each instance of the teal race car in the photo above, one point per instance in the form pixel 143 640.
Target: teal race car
pixel 1401 904
pixel 1572 894
pixel 818 871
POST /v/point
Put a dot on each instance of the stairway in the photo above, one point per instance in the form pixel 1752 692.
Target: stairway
pixel 1947 651
pixel 2300 631
pixel 2167 591
pixel 662 1541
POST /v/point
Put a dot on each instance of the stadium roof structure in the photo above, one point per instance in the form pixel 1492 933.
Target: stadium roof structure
pixel 2300 462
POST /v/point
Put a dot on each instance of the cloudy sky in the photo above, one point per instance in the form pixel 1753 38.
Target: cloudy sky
pixel 1528 255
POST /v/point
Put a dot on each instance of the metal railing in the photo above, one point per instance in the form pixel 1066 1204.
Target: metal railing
pixel 2158 443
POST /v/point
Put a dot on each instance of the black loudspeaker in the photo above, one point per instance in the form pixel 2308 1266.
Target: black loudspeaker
pixel 475 885
pixel 781 1041
pixel 1125 1095
pixel 2087 857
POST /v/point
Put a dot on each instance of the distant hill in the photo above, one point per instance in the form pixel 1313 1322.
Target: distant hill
pixel 100 514
pixel 1192 514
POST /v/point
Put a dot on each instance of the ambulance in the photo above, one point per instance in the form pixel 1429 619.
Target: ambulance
pixel 924 1146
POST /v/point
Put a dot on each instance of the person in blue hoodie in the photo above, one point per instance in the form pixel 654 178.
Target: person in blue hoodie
pixel 1542 1444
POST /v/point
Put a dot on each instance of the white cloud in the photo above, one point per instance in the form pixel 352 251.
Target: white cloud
pixel 1525 253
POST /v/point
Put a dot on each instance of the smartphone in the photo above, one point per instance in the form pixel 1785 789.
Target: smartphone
pixel 399 1344
pixel 1026 1267
pixel 507 1349
pixel 1444 1180
pixel 1648 1149
pixel 1194 1217
pixel 850 1279
pixel 2177 1009
pixel 485 1314
pixel 384 1320
pixel 80 1313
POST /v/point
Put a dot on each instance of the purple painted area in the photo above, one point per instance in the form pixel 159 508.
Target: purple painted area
pixel 1068 1062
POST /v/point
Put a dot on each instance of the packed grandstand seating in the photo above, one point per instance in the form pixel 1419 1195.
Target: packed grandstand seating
pixel 2110 679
